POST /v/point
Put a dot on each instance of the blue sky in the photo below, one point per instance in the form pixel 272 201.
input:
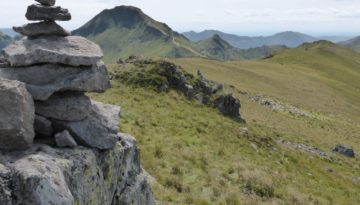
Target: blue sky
pixel 244 17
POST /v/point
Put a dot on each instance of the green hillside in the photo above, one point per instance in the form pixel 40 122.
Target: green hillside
pixel 280 156
pixel 339 67
pixel 126 30
pixel 289 39
pixel 352 43
pixel 217 48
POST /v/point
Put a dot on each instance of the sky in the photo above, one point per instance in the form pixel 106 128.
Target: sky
pixel 242 17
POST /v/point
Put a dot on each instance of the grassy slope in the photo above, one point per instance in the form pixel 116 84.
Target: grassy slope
pixel 326 83
pixel 197 156
pixel 352 43
pixel 121 42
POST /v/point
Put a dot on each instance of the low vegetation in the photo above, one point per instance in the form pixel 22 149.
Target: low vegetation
pixel 197 156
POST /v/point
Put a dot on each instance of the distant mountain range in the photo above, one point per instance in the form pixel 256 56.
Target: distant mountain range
pixel 352 43
pixel 126 30
pixel 8 31
pixel 289 38
pixel 4 40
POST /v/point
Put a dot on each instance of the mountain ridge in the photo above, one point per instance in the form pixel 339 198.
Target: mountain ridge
pixel 353 43
pixel 125 30
pixel 288 38
pixel 4 40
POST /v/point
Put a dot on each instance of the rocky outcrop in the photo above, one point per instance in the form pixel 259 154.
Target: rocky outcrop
pixel 17 114
pixel 344 150
pixel 164 75
pixel 228 105
pixel 46 175
pixel 78 155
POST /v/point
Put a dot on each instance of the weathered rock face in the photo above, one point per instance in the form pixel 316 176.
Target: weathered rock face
pixel 64 139
pixel 43 175
pixel 229 106
pixel 41 28
pixel 71 50
pixel 37 12
pixel 67 106
pixel 44 80
pixel 17 115
pixel 98 130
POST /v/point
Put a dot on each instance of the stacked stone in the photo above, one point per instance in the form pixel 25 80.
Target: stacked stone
pixel 56 69
pixel 47 13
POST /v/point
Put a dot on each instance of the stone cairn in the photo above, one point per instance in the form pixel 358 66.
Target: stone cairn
pixel 42 88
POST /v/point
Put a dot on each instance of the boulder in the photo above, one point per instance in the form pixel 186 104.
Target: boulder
pixel 46 2
pixel 43 126
pixel 344 150
pixel 98 130
pixel 43 175
pixel 71 50
pixel 41 29
pixel 66 106
pixel 38 12
pixel 229 106
pixel 17 115
pixel 44 80
pixel 64 139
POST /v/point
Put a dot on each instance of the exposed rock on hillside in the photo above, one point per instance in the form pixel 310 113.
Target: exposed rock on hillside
pixel 53 167
pixel 163 76
pixel 344 150
pixel 228 105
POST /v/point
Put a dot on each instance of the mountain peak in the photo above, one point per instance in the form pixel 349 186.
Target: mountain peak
pixel 216 39
pixel 119 17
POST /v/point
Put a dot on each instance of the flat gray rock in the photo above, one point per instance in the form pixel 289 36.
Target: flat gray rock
pixel 44 80
pixel 43 126
pixel 45 28
pixel 37 12
pixel 100 128
pixel 64 139
pixel 17 115
pixel 46 2
pixel 71 50
pixel 68 106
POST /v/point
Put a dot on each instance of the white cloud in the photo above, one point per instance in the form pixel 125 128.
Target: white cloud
pixel 240 16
